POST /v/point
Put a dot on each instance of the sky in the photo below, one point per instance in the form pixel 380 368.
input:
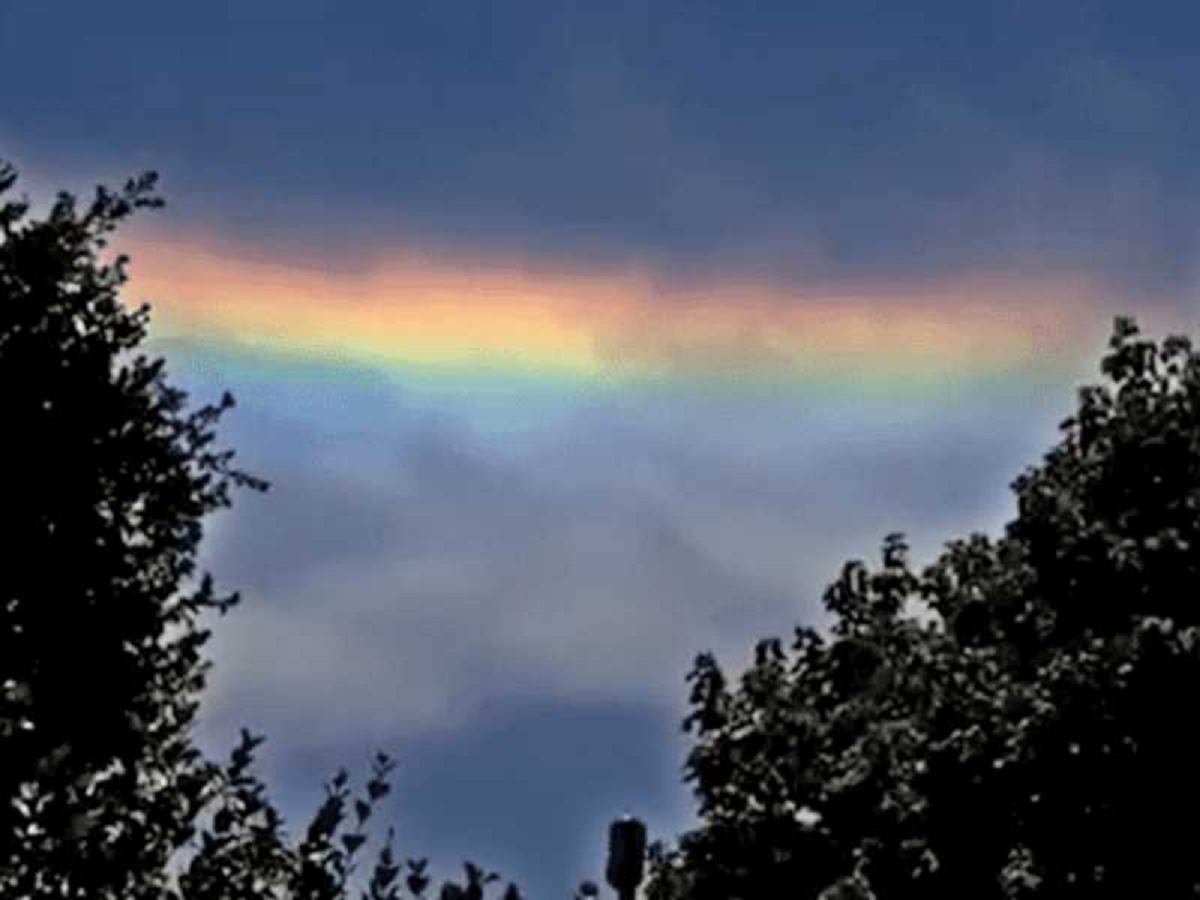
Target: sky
pixel 578 338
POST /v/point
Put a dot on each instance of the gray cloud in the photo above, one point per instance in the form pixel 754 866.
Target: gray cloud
pixel 589 566
pixel 816 142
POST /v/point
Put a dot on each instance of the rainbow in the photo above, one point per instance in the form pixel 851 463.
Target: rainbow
pixel 473 321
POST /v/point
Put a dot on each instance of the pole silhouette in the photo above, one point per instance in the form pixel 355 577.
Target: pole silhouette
pixel 626 856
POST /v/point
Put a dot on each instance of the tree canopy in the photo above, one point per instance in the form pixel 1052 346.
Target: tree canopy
pixel 1010 721
pixel 109 476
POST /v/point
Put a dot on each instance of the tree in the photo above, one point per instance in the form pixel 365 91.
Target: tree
pixel 108 478
pixel 1027 735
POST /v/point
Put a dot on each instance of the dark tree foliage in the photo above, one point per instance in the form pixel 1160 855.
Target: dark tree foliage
pixel 108 476
pixel 1028 736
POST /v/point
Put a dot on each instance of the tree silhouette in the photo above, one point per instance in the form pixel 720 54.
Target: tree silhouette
pixel 1028 738
pixel 108 477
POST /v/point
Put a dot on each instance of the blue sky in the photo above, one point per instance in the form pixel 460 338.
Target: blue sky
pixel 512 610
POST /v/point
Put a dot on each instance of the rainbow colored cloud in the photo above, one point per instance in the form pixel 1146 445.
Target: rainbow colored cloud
pixel 470 319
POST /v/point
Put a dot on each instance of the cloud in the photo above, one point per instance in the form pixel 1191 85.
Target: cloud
pixel 825 143
pixel 400 592
pixel 478 579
